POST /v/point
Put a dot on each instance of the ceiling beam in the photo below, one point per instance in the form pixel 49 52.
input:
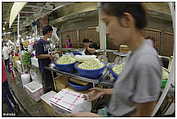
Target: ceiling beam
pixel 159 15
pixel 32 6
pixel 27 12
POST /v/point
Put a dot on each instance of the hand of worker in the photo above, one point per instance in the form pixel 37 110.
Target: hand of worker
pixel 55 52
pixel 94 93
pixel 51 57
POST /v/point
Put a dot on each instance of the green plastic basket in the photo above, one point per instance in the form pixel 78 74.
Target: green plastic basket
pixel 163 83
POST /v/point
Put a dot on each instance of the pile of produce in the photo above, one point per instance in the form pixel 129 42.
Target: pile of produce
pixel 84 58
pixel 165 74
pixel 91 64
pixel 66 59
pixel 26 58
pixel 118 68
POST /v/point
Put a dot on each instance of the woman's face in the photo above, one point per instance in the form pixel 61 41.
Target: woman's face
pixel 86 45
pixel 117 33
pixel 49 34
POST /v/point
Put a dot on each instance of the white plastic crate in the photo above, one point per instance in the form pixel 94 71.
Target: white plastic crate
pixel 34 62
pixel 35 75
pixel 34 89
pixel 25 78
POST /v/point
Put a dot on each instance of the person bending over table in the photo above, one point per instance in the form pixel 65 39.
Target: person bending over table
pixel 137 90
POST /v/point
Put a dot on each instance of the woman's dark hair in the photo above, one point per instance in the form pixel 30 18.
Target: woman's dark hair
pixel 47 29
pixel 86 40
pixel 136 9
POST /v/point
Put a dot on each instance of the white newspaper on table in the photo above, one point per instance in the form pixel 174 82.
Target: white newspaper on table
pixel 67 99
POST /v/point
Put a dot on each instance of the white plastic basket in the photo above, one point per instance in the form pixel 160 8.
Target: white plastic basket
pixel 34 89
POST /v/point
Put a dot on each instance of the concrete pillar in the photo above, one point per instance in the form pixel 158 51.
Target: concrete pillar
pixel 102 30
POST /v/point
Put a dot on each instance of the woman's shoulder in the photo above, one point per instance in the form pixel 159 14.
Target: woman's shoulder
pixel 148 61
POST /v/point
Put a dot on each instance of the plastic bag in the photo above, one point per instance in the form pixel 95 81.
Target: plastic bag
pixel 86 106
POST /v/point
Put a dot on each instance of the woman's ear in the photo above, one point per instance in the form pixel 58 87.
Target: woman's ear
pixel 127 20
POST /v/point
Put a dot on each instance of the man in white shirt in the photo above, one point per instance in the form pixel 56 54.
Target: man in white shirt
pixel 6 56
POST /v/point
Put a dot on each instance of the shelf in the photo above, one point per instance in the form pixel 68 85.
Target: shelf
pixel 121 54
pixel 76 76
pixel 70 49
pixel 107 83
pixel 102 50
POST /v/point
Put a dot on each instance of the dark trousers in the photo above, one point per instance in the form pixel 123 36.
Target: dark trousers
pixel 7 64
pixel 47 80
pixel 7 96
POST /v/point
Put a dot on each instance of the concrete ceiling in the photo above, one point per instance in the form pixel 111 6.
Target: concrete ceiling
pixel 34 10
pixel 31 12
pixel 159 7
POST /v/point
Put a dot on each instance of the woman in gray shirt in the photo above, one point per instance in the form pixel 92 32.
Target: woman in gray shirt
pixel 136 91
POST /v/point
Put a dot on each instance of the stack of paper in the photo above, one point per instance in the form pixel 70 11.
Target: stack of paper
pixel 67 99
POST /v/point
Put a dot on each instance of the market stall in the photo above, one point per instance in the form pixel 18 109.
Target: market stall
pixel 73 73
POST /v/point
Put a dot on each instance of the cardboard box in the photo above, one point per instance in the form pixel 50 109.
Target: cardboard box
pixel 61 82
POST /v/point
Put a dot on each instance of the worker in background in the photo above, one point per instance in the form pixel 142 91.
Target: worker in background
pixel 93 45
pixel 68 43
pixel 137 90
pixel 89 47
pixel 44 58
pixel 6 56
pixel 21 46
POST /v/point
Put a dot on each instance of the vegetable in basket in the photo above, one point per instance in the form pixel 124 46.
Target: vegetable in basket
pixel 91 64
pixel 65 60
pixel 118 68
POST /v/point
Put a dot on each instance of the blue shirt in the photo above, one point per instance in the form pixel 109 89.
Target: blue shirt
pixel 42 47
